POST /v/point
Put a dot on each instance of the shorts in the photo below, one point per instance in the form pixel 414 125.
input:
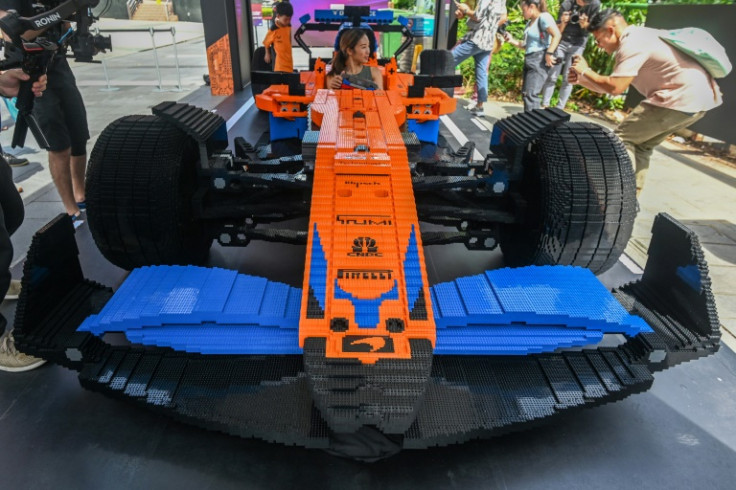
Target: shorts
pixel 60 111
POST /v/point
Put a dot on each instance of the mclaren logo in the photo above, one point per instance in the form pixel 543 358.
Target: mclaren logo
pixel 360 343
pixel 375 343
pixel 364 246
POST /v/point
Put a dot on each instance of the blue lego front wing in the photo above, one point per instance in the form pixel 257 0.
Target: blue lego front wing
pixel 503 312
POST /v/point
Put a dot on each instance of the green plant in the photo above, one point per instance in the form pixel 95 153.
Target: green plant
pixel 404 4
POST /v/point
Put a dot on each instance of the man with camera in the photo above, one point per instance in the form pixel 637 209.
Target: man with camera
pixel 677 90
pixel 60 113
pixel 573 22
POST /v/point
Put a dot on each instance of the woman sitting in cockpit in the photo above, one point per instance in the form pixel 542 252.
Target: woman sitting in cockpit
pixel 350 59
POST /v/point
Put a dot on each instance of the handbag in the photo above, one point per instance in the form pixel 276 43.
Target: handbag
pixel 702 47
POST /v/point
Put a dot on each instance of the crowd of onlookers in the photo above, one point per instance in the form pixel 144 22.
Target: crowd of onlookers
pixel 677 89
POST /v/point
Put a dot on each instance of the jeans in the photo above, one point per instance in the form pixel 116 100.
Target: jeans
pixel 565 51
pixel 535 73
pixel 465 50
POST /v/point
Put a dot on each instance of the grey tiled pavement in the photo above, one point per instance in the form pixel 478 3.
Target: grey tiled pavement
pixel 694 188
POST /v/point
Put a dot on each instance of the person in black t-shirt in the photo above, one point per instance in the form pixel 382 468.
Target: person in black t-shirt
pixel 573 20
pixel 61 115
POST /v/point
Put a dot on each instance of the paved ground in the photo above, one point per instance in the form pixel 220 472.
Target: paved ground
pixel 692 187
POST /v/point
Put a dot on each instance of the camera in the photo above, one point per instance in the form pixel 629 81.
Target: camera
pixel 575 14
pixel 84 45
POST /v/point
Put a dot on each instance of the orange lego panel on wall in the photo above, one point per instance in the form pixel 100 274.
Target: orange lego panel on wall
pixel 220 67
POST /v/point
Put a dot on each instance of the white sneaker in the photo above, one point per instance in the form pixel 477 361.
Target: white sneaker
pixel 13 290
pixel 14 361
pixel 475 110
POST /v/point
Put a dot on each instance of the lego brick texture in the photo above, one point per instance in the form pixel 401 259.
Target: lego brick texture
pixel 312 401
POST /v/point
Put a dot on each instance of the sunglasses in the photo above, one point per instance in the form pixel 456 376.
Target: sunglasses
pixel 600 33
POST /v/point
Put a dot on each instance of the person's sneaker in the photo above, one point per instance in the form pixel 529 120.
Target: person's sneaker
pixel 476 111
pixel 12 360
pixel 77 220
pixel 15 161
pixel 13 290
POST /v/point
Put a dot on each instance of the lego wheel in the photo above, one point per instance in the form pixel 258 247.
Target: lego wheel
pixel 259 64
pixel 579 190
pixel 140 185
pixel 437 62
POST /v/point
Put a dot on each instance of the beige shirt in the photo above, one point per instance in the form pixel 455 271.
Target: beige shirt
pixel 665 76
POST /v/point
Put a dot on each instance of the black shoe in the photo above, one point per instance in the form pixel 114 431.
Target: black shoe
pixel 15 161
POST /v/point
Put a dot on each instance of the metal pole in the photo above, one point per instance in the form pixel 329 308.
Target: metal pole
pixel 96 31
pixel 155 58
pixel 107 79
pixel 176 59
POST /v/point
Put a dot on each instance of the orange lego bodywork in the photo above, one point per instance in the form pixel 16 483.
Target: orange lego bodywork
pixel 277 101
pixel 366 284
pixel 364 245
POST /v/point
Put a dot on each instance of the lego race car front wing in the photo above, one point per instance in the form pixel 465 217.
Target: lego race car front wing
pixel 302 397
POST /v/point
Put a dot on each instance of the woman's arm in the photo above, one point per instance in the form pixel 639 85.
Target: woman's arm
pixel 377 77
pixel 553 31
pixel 511 40
pixel 333 81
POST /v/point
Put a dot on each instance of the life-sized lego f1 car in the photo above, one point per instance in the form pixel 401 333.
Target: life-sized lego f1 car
pixel 367 349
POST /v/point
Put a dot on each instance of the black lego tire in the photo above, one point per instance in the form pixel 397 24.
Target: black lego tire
pixel 580 195
pixel 259 64
pixel 141 181
pixel 437 62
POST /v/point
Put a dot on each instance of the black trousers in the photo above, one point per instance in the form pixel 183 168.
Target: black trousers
pixel 11 217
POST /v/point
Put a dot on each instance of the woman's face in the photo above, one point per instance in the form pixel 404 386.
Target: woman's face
pixel 527 9
pixel 362 51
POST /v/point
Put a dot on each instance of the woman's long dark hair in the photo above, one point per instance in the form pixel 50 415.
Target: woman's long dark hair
pixel 348 40
pixel 541 4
